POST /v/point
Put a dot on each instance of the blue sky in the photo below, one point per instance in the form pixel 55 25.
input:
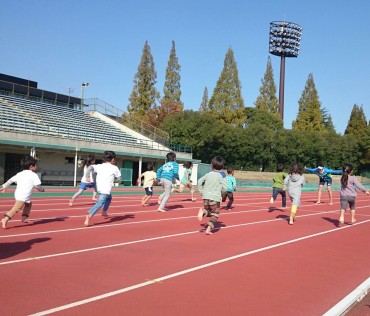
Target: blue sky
pixel 61 44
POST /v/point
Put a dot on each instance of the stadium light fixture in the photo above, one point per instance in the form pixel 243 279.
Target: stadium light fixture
pixel 84 84
pixel 284 41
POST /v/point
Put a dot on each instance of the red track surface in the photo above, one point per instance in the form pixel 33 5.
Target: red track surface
pixel 141 262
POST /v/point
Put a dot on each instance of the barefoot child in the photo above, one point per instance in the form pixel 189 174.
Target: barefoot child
pixel 348 192
pixel 26 181
pixel 106 174
pixel 186 180
pixel 294 180
pixel 149 179
pixel 231 186
pixel 277 185
pixel 211 187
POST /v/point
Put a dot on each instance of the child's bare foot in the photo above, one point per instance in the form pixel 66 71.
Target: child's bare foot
pixel 209 230
pixel 4 221
pixel 105 214
pixel 87 220
pixel 159 200
pixel 200 214
pixel 25 219
pixel 70 203
pixel 341 220
pixel 271 200
pixel 143 204
pixel 331 203
pixel 94 198
pixel 318 202
pixel 161 210
pixel 353 220
pixel 193 199
pixel 291 221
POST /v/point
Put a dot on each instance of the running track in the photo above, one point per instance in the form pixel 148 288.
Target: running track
pixel 141 262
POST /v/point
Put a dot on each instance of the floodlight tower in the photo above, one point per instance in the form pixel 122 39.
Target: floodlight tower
pixel 284 41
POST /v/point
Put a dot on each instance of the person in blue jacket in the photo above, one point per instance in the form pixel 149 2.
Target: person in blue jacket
pixel 325 176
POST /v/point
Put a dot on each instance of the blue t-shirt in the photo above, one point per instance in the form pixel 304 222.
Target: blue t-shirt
pixel 168 171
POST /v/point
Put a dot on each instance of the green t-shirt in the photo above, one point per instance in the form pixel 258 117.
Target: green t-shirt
pixel 278 180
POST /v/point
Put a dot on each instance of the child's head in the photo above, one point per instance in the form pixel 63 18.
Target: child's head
pixel 150 166
pixel 88 161
pixel 230 171
pixel 171 156
pixel 28 163
pixel 347 170
pixel 109 156
pixel 295 169
pixel 188 165
pixel 217 163
pixel 280 167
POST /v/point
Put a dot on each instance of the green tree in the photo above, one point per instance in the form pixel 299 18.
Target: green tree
pixel 144 95
pixel 267 100
pixel 226 103
pixel 327 120
pixel 204 104
pixel 309 116
pixel 357 124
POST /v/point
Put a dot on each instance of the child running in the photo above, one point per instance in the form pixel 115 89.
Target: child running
pixel 211 187
pixel 324 174
pixel 149 179
pixel 106 174
pixel 26 181
pixel 294 180
pixel 231 186
pixel 165 175
pixel 186 180
pixel 348 192
pixel 277 185
pixel 90 160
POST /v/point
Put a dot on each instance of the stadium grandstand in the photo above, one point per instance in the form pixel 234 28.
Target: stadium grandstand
pixel 61 130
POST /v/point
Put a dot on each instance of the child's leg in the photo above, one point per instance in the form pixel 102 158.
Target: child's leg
pixel 353 209
pixel 106 204
pixel 341 218
pixel 353 213
pixel 231 200
pixel 330 195
pixel 26 212
pixel 95 193
pixel 78 193
pixel 274 195
pixel 99 203
pixel 293 212
pixel 18 205
pixel 214 214
pixel 283 198
pixel 167 185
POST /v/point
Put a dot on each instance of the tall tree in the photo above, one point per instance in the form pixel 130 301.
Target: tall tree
pixel 327 120
pixel 144 95
pixel 357 123
pixel 204 104
pixel 267 100
pixel 309 116
pixel 226 103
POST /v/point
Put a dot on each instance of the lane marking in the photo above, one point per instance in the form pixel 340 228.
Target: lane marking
pixel 186 271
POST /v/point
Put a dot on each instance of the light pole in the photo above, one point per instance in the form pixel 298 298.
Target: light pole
pixel 284 41
pixel 84 84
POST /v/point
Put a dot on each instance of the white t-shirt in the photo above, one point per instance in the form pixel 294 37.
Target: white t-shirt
pixel 25 181
pixel 105 175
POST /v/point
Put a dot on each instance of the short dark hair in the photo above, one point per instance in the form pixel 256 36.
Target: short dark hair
pixel 171 156
pixel 218 163
pixel 296 168
pixel 150 166
pixel 188 164
pixel 280 167
pixel 27 161
pixel 230 170
pixel 109 155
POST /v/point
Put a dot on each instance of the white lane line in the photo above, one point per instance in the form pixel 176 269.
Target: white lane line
pixel 186 271
pixel 149 239
pixel 355 296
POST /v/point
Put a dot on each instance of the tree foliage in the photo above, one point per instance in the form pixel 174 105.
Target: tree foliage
pixel 267 100
pixel 226 103
pixel 357 124
pixel 205 100
pixel 309 116
pixel 144 95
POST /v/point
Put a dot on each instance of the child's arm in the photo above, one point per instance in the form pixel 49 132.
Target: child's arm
pixel 234 184
pixel 333 171
pixel 310 169
pixel 88 173
pixel 139 178
pixel 39 188
pixel 7 184
pixel 360 186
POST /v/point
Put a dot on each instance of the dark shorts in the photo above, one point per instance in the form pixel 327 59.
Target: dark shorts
pixel 149 191
pixel 328 182
pixel 87 185
pixel 345 200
